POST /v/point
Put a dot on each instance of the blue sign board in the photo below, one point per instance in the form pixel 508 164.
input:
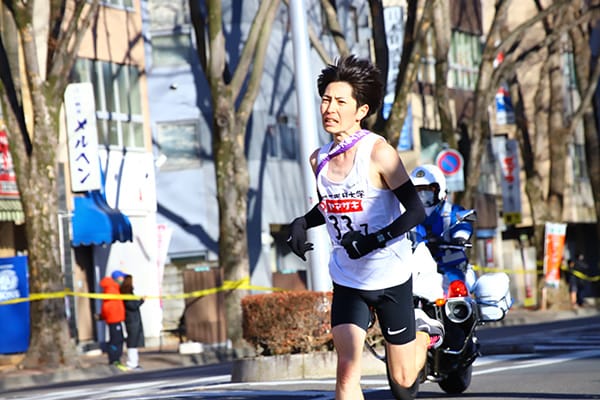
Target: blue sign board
pixel 14 284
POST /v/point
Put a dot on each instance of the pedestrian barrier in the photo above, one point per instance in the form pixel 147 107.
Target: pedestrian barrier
pixel 242 284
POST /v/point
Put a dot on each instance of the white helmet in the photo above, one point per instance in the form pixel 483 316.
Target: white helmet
pixel 429 174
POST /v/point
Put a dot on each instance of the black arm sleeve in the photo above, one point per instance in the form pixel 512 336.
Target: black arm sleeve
pixel 314 217
pixel 414 214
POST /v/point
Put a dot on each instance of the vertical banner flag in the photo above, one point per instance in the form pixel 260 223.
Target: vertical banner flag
pixel 506 152
pixel 505 113
pixel 8 179
pixel 82 134
pixel 554 246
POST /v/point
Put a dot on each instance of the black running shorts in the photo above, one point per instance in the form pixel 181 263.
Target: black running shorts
pixel 393 306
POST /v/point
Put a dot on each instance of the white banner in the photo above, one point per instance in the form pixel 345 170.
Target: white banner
pixel 80 111
pixel 506 152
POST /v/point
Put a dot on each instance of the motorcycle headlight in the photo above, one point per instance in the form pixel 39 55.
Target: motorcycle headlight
pixel 458 310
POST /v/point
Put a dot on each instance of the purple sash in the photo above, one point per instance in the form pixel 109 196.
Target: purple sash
pixel 345 145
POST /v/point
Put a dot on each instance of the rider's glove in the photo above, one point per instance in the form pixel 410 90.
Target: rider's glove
pixel 297 239
pixel 357 244
pixel 460 241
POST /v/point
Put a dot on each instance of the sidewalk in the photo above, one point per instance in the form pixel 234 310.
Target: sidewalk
pixel 151 359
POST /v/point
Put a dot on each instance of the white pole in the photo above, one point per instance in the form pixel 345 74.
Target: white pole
pixel 318 275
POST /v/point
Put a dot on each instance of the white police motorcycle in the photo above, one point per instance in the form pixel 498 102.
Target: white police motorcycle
pixel 447 289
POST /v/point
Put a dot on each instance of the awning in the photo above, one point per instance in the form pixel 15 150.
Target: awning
pixel 96 223
pixel 11 210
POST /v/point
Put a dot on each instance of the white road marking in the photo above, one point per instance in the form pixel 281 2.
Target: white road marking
pixel 543 361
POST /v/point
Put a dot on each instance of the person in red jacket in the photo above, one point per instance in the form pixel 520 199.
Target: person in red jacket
pixel 113 313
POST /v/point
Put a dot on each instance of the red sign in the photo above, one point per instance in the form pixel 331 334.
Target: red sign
pixel 8 180
pixel 449 161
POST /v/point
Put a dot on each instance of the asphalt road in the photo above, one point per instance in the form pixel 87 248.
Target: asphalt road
pixel 547 361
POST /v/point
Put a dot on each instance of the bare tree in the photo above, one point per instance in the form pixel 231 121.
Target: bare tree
pixel 233 90
pixel 587 76
pixel 418 22
pixel 33 144
pixel 543 130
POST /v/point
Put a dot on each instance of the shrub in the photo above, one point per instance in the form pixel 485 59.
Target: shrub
pixel 289 322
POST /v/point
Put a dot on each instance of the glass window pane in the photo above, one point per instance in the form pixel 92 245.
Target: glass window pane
pixel 102 131
pixel 180 144
pixel 135 97
pixel 431 145
pixel 137 130
pixel 97 81
pixel 109 82
pixel 122 87
pixel 133 134
pixel 81 70
pixel 288 142
pixel 171 50
pixel 113 133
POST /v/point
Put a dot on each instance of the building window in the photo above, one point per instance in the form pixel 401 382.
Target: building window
pixel 465 58
pixel 178 144
pixel 171 49
pixel 118 101
pixel 281 141
pixel 431 145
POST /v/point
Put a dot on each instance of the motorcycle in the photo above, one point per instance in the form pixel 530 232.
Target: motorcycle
pixel 447 289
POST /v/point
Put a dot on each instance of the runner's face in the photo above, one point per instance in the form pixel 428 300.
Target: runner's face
pixel 339 111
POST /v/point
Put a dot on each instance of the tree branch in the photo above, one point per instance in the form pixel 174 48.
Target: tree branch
pixel 266 25
pixel 250 47
pixel 69 42
pixel 335 28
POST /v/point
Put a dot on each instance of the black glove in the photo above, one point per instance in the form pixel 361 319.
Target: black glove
pixel 297 239
pixel 458 241
pixel 357 244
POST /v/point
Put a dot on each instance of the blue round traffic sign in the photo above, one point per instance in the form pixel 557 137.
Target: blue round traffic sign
pixel 449 161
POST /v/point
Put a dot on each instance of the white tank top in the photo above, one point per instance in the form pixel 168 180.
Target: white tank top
pixel 356 204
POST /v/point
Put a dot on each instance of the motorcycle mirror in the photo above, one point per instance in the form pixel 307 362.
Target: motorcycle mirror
pixel 467 215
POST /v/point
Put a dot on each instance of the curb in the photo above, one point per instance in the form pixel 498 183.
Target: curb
pixel 33 379
pixel 297 366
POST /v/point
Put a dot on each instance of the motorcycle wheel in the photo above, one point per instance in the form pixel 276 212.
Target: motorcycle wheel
pixel 399 392
pixel 457 381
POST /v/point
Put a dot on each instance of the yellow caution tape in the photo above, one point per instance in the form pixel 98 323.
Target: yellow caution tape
pixel 578 274
pixel 242 284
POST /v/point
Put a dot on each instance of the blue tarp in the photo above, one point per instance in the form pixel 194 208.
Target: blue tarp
pixel 96 223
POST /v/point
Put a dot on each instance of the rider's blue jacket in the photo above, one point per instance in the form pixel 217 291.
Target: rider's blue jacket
pixel 440 218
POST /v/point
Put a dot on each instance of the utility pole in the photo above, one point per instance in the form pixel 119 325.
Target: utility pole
pixel 318 273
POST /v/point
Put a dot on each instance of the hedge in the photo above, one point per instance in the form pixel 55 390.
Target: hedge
pixel 290 322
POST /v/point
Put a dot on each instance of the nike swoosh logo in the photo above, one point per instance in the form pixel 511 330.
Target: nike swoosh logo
pixel 354 243
pixel 391 332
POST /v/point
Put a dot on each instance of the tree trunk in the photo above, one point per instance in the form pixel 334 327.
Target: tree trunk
pixel 232 191
pixel 443 35
pixel 50 345
pixel 229 131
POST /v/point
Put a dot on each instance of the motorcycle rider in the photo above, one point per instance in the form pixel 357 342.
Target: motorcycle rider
pixel 430 183
pixel 440 223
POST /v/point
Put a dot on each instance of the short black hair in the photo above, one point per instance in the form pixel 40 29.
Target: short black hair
pixel 361 74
